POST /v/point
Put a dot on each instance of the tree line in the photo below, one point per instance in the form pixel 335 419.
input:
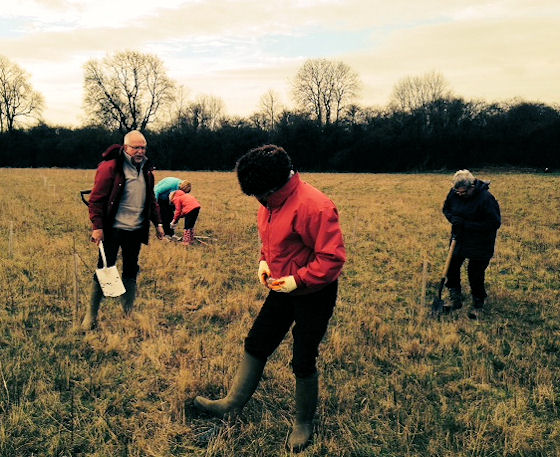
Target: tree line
pixel 423 127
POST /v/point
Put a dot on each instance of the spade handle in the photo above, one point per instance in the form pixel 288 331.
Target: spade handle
pixel 449 255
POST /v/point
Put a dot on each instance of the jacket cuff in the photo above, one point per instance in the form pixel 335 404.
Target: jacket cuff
pixel 97 224
pixel 299 282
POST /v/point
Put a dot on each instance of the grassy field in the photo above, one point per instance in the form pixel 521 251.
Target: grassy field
pixel 393 381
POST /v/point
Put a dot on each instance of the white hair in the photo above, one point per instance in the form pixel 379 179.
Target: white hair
pixel 463 178
pixel 129 134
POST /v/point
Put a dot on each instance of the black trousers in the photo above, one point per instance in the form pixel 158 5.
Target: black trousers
pixel 129 242
pixel 190 218
pixel 166 210
pixel 311 314
pixel 476 270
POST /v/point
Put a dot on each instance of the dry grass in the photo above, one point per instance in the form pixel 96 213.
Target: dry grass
pixel 393 382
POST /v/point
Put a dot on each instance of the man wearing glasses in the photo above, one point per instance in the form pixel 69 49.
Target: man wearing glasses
pixel 474 215
pixel 121 206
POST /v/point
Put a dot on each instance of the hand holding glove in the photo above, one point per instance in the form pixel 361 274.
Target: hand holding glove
pixel 284 284
pixel 173 225
pixel 264 272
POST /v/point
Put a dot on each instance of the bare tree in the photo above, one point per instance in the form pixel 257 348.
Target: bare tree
pixel 270 107
pixel 323 87
pixel 259 120
pixel 127 90
pixel 17 97
pixel 206 111
pixel 414 92
pixel 427 98
pixel 308 86
pixel 345 84
pixel 177 110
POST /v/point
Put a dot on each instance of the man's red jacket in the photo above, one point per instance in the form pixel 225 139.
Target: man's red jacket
pixel 107 191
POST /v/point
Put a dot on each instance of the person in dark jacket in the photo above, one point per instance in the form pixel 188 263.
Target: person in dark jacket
pixel 474 215
pixel 121 206
pixel 302 255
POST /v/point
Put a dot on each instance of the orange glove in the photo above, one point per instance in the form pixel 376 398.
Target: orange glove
pixel 284 284
pixel 264 272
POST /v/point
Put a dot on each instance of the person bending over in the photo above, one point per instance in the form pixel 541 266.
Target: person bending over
pixel 186 206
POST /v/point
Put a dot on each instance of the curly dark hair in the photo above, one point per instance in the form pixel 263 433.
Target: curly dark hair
pixel 263 169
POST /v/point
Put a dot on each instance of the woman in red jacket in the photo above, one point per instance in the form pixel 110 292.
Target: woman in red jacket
pixel 302 255
pixel 185 206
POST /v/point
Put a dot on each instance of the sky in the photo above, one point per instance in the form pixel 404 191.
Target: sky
pixel 238 50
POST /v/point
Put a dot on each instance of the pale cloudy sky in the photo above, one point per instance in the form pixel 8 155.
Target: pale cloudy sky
pixel 239 49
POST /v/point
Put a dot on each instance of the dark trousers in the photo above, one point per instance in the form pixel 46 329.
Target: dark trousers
pixel 190 218
pixel 311 314
pixel 129 242
pixel 166 210
pixel 476 270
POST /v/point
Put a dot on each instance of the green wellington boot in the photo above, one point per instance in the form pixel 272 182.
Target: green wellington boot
pixel 244 384
pixel 127 299
pixel 307 393
pixel 456 297
pixel 90 319
pixel 477 308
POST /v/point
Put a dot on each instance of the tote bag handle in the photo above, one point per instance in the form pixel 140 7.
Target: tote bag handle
pixel 102 251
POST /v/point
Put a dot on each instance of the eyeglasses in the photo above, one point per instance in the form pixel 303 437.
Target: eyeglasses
pixel 137 148
pixel 462 190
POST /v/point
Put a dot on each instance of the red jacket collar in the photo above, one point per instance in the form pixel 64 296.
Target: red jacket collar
pixel 112 152
pixel 116 151
pixel 279 197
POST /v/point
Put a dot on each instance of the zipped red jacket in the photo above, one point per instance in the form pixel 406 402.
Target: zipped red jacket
pixel 300 233
pixel 184 204
pixel 107 191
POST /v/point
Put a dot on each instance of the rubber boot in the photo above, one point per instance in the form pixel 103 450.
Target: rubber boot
pixel 476 310
pixel 307 393
pixel 188 237
pixel 456 297
pixel 244 384
pixel 90 319
pixel 127 299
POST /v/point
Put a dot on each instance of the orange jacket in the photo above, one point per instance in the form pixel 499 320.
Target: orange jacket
pixel 301 236
pixel 184 204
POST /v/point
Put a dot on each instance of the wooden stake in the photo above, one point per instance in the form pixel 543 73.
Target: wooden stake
pixel 76 294
pixel 11 240
pixel 424 280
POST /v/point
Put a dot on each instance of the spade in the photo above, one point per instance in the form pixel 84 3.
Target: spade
pixel 437 305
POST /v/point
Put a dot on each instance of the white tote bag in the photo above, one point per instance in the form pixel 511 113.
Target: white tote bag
pixel 109 278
